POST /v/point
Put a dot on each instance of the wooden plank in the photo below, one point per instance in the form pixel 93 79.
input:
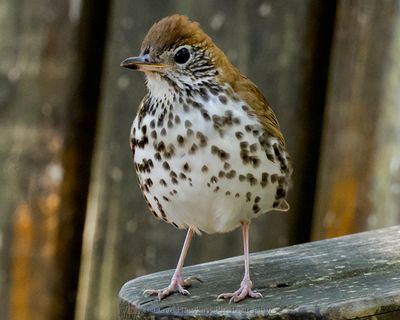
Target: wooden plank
pixel 47 123
pixel 276 44
pixel 359 177
pixel 352 277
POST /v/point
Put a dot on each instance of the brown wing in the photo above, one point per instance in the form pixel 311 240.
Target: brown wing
pixel 259 106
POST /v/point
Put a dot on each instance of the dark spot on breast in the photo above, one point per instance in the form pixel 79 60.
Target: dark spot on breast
pixel 202 139
pixel 222 99
pixel 186 167
pixel 189 132
pixel 248 196
pixel 280 193
pixel 193 148
pixel 214 90
pixel 157 156
pixel 214 179
pixel 251 179
pixel 163 132
pixel 163 183
pixel 255 162
pixel 165 165
pixel 205 114
pixel 253 147
pixel 182 176
pixel 256 208
pixel 197 105
pixel 276 204
pixel 239 135
pixel 149 182
pixel 160 146
pixel 145 188
pixel 143 142
pixel 264 179
pixel 231 174
pixel 270 157
pixel 172 174
pixel 223 155
pixel 180 139
pixel 244 155
pixel 204 168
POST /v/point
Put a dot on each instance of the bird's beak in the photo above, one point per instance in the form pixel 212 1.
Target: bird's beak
pixel 143 63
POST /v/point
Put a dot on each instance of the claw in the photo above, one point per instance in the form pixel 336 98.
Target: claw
pixel 243 292
pixel 176 285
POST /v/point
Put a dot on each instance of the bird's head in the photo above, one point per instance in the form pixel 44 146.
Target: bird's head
pixel 177 49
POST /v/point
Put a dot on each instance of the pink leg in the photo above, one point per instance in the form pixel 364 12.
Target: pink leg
pixel 177 283
pixel 246 284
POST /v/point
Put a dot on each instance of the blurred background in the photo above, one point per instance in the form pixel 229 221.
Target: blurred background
pixel 73 224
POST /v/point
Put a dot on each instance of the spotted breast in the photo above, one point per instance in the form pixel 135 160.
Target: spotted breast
pixel 204 160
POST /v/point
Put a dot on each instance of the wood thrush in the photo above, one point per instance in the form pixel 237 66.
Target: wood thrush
pixel 206 145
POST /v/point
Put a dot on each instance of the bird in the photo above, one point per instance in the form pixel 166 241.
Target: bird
pixel 207 147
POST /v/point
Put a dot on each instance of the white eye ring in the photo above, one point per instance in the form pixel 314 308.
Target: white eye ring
pixel 182 54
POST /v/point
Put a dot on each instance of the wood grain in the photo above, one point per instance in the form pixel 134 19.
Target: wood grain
pixel 48 100
pixel 359 169
pixel 352 277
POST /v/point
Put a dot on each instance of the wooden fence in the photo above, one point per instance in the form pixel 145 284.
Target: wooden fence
pixel 73 225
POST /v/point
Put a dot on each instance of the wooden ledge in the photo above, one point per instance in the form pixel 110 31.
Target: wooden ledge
pixel 351 277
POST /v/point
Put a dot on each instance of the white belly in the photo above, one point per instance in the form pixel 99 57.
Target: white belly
pixel 193 173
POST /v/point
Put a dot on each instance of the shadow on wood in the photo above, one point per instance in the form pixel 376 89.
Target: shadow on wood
pixel 351 277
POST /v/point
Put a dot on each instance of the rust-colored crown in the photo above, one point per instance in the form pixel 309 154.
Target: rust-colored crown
pixel 173 31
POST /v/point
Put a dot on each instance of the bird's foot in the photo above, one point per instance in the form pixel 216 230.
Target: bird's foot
pixel 177 285
pixel 243 292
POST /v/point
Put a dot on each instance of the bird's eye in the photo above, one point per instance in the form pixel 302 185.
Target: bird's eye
pixel 182 56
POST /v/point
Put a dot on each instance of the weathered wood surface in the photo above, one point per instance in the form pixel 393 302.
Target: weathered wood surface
pixel 282 47
pixel 352 277
pixel 49 83
pixel 359 172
